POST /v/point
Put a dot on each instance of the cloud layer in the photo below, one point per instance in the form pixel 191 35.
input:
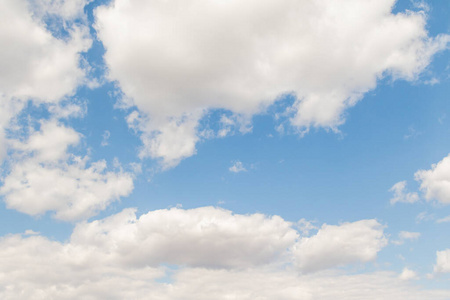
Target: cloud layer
pixel 237 256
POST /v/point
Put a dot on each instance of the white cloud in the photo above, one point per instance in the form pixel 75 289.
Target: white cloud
pixel 206 237
pixel 45 177
pixel 406 235
pixel 174 140
pixel 442 261
pixel 333 245
pixel 210 237
pixel 237 167
pixel 34 64
pixel 176 60
pixel 34 267
pixel 408 274
pixel 443 220
pixel 435 183
pixel 400 194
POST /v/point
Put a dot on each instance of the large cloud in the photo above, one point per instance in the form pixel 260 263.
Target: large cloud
pixel 34 64
pixel 207 237
pixel 435 183
pixel 216 238
pixel 119 257
pixel 45 177
pixel 178 59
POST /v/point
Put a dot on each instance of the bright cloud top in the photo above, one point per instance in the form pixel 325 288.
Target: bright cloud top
pixel 206 237
pixel 177 59
pixel 435 183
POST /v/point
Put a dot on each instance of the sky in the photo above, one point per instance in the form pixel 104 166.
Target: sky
pixel 224 149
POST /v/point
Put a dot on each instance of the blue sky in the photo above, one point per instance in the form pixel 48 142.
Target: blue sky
pixel 146 143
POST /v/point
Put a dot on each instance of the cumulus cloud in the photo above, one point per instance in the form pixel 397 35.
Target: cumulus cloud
pixel 206 237
pixel 336 245
pixel 408 274
pixel 400 194
pixel 442 261
pixel 45 177
pixel 36 65
pixel 114 258
pixel 210 237
pixel 435 183
pixel 177 60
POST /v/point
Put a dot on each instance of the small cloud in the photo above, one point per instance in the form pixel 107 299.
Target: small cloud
pixel 105 136
pixel 442 262
pixel 31 232
pixel 432 81
pixel 400 194
pixel 443 220
pixel 424 216
pixel 237 167
pixel 406 235
pixel 136 168
pixel 422 5
pixel 408 274
pixel 412 133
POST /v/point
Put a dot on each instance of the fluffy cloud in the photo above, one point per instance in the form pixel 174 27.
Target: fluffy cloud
pixel 339 245
pixel 37 268
pixel 435 183
pixel 442 261
pixel 408 274
pixel 176 60
pixel 208 237
pixel 45 177
pixel 400 194
pixel 36 65
pixel 117 257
